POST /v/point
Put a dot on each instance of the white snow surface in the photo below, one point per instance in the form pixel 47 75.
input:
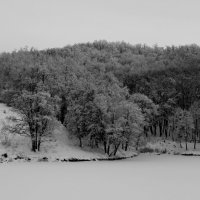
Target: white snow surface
pixel 146 177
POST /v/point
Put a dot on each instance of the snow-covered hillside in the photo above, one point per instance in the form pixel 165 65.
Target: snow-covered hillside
pixel 59 146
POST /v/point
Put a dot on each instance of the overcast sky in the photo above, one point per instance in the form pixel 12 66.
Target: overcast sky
pixel 56 23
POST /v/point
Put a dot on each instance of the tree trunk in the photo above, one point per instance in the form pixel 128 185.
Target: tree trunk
pixel 172 134
pixel 186 139
pixel 91 142
pixel 155 131
pixel 33 146
pixel 186 147
pixel 126 146
pixel 34 142
pixel 166 128
pixel 137 145
pixel 160 127
pixel 166 133
pixel 180 144
pixel 151 129
pixel 38 145
pixel 105 147
pixel 116 148
pixel 80 142
pixel 195 133
pixel 195 143
pixel 63 110
pixel 96 144
pixel 108 149
pixel 145 131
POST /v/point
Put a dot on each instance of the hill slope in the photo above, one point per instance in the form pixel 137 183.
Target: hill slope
pixel 58 146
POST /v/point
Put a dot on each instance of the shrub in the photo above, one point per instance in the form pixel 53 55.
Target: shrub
pixel 146 150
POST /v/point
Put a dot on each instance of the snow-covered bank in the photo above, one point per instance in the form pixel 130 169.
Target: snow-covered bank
pixel 164 146
pixel 144 177
pixel 60 147
pixel 5 158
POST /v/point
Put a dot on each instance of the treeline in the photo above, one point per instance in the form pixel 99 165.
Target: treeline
pixel 108 95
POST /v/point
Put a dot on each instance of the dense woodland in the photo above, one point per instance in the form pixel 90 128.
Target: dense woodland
pixel 108 95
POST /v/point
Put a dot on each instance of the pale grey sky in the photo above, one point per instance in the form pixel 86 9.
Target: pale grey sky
pixel 56 23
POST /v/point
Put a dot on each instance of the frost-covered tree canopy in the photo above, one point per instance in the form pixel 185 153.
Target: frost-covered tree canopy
pixel 112 96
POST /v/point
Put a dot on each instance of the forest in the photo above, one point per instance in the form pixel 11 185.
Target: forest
pixel 109 95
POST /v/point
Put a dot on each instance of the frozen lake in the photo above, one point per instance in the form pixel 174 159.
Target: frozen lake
pixel 144 177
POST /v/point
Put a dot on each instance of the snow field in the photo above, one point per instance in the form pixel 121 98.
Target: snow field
pixel 144 177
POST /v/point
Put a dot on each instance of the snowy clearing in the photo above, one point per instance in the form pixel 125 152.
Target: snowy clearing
pixel 145 177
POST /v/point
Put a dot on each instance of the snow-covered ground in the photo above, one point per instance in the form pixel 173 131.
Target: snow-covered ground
pixel 168 146
pixel 146 177
pixel 59 146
